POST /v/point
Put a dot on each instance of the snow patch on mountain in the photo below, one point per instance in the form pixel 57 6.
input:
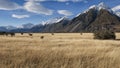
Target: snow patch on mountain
pixel 26 26
pixel 98 7
pixel 103 6
pixel 10 27
pixel 7 28
pixel 51 21
pixel 118 14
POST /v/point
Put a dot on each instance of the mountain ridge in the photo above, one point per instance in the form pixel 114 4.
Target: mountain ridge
pixel 96 17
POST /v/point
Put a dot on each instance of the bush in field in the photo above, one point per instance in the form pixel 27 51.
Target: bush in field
pixel 104 34
pixel 42 37
pixel 30 34
pixel 81 33
pixel 22 33
pixel 52 33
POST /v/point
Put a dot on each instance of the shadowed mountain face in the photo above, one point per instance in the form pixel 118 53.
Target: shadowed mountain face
pixel 81 22
pixel 97 17
pixel 93 21
pixel 104 20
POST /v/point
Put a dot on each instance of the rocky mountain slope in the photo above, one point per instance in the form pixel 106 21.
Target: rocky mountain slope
pixel 97 17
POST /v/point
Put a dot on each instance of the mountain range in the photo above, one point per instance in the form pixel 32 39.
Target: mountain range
pixel 11 28
pixel 96 17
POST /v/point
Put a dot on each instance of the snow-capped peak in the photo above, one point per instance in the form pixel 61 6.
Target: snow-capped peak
pixel 54 20
pixel 93 6
pixel 27 26
pixel 117 13
pixel 10 27
pixel 62 18
pixel 98 7
pixel 102 5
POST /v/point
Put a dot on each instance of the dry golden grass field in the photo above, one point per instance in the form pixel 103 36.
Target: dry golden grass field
pixel 61 50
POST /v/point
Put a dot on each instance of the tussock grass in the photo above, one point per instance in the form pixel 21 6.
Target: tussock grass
pixel 63 50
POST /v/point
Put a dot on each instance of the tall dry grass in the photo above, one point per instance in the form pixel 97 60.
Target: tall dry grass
pixel 61 50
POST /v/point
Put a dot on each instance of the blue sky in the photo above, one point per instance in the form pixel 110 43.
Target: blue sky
pixel 17 12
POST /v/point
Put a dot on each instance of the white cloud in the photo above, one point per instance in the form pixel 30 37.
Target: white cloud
pixel 72 0
pixel 36 7
pixel 65 12
pixel 85 1
pixel 8 5
pixel 30 5
pixel 62 0
pixel 20 16
pixel 36 0
pixel 116 8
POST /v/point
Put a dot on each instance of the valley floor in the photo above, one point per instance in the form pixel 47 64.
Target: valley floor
pixel 61 50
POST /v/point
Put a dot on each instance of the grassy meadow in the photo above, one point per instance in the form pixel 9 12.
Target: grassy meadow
pixel 61 50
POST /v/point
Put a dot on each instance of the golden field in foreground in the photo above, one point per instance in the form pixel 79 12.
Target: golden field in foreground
pixel 61 50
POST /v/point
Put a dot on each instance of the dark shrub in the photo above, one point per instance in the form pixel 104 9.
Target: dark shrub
pixel 12 34
pixel 22 33
pixel 104 34
pixel 81 33
pixel 52 33
pixel 30 34
pixel 42 37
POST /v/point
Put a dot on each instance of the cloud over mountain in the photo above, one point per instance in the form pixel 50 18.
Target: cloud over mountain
pixel 65 12
pixel 20 16
pixel 85 1
pixel 35 7
pixel 30 6
pixel 8 5
pixel 60 0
